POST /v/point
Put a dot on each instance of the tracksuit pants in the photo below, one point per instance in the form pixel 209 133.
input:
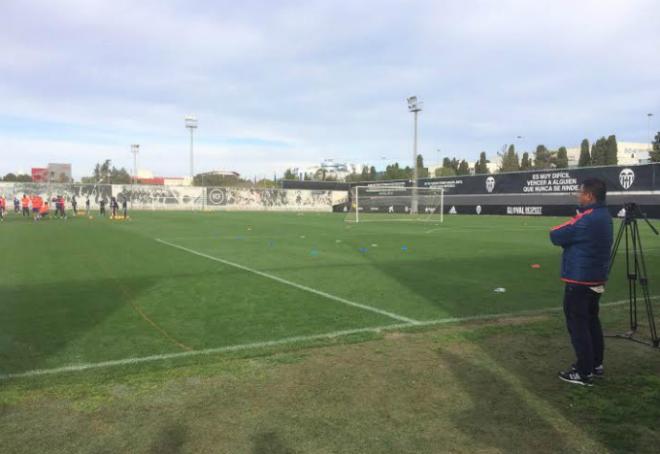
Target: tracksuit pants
pixel 581 311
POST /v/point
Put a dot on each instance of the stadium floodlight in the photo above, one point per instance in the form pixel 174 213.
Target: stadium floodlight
pixel 135 149
pixel 191 124
pixel 414 106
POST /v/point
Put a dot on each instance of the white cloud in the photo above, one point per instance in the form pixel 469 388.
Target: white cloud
pixel 325 79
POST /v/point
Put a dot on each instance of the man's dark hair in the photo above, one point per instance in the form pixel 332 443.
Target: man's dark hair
pixel 596 188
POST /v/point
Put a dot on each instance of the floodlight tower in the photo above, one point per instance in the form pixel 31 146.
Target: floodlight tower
pixel 415 107
pixel 191 124
pixel 135 149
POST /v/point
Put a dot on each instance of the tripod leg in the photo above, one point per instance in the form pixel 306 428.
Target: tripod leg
pixel 644 284
pixel 631 274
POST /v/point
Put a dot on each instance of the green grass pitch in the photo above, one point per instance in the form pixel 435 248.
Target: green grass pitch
pixel 87 291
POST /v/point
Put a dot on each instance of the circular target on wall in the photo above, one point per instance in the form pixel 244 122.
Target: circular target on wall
pixel 216 196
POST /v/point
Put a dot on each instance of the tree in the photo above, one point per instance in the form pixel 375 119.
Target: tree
pixel 209 179
pixel 510 161
pixel 10 177
pixel 119 176
pixel 655 153
pixel 364 175
pixel 542 158
pixel 422 172
pixel 394 172
pixel 599 152
pixel 611 151
pixel 463 168
pixel 561 159
pixel 266 183
pixel 481 166
pixel 585 156
pixel 103 173
pixel 372 173
pixel 526 163
pixel 289 174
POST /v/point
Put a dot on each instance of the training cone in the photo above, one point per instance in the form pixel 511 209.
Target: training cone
pixel 536 266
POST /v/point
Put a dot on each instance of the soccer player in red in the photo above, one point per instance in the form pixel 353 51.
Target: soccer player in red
pixel 3 208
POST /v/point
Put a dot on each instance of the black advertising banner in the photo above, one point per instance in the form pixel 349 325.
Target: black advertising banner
pixel 549 192
pixel 557 181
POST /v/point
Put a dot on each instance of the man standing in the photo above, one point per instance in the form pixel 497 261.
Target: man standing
pixel 3 206
pixel 25 203
pixel 587 241
pixel 61 202
pixel 37 203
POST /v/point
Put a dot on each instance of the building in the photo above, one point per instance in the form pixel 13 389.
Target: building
pixel 147 177
pixel 54 173
pixel 221 173
pixel 39 174
pixel 330 170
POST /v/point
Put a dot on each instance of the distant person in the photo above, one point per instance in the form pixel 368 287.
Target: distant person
pixel 17 205
pixel 586 240
pixel 114 206
pixel 3 206
pixel 37 203
pixel 43 210
pixel 56 201
pixel 74 205
pixel 124 207
pixel 87 205
pixel 25 204
pixel 60 204
pixel 102 207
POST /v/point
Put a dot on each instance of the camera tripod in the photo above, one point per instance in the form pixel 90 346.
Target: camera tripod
pixel 635 271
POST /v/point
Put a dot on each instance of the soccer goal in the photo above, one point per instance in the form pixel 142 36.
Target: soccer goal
pixel 395 203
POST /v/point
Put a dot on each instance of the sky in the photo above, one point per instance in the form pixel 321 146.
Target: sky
pixel 278 84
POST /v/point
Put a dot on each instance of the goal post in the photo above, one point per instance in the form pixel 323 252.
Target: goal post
pixel 395 203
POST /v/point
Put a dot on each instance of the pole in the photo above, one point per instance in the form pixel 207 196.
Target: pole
pixel 413 208
pixel 442 206
pixel 191 154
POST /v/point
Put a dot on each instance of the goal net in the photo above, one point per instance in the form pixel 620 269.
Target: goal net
pixel 395 203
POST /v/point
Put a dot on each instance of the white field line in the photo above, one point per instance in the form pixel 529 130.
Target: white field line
pixel 279 342
pixel 339 299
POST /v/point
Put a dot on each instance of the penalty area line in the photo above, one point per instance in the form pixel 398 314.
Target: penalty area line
pixel 329 296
